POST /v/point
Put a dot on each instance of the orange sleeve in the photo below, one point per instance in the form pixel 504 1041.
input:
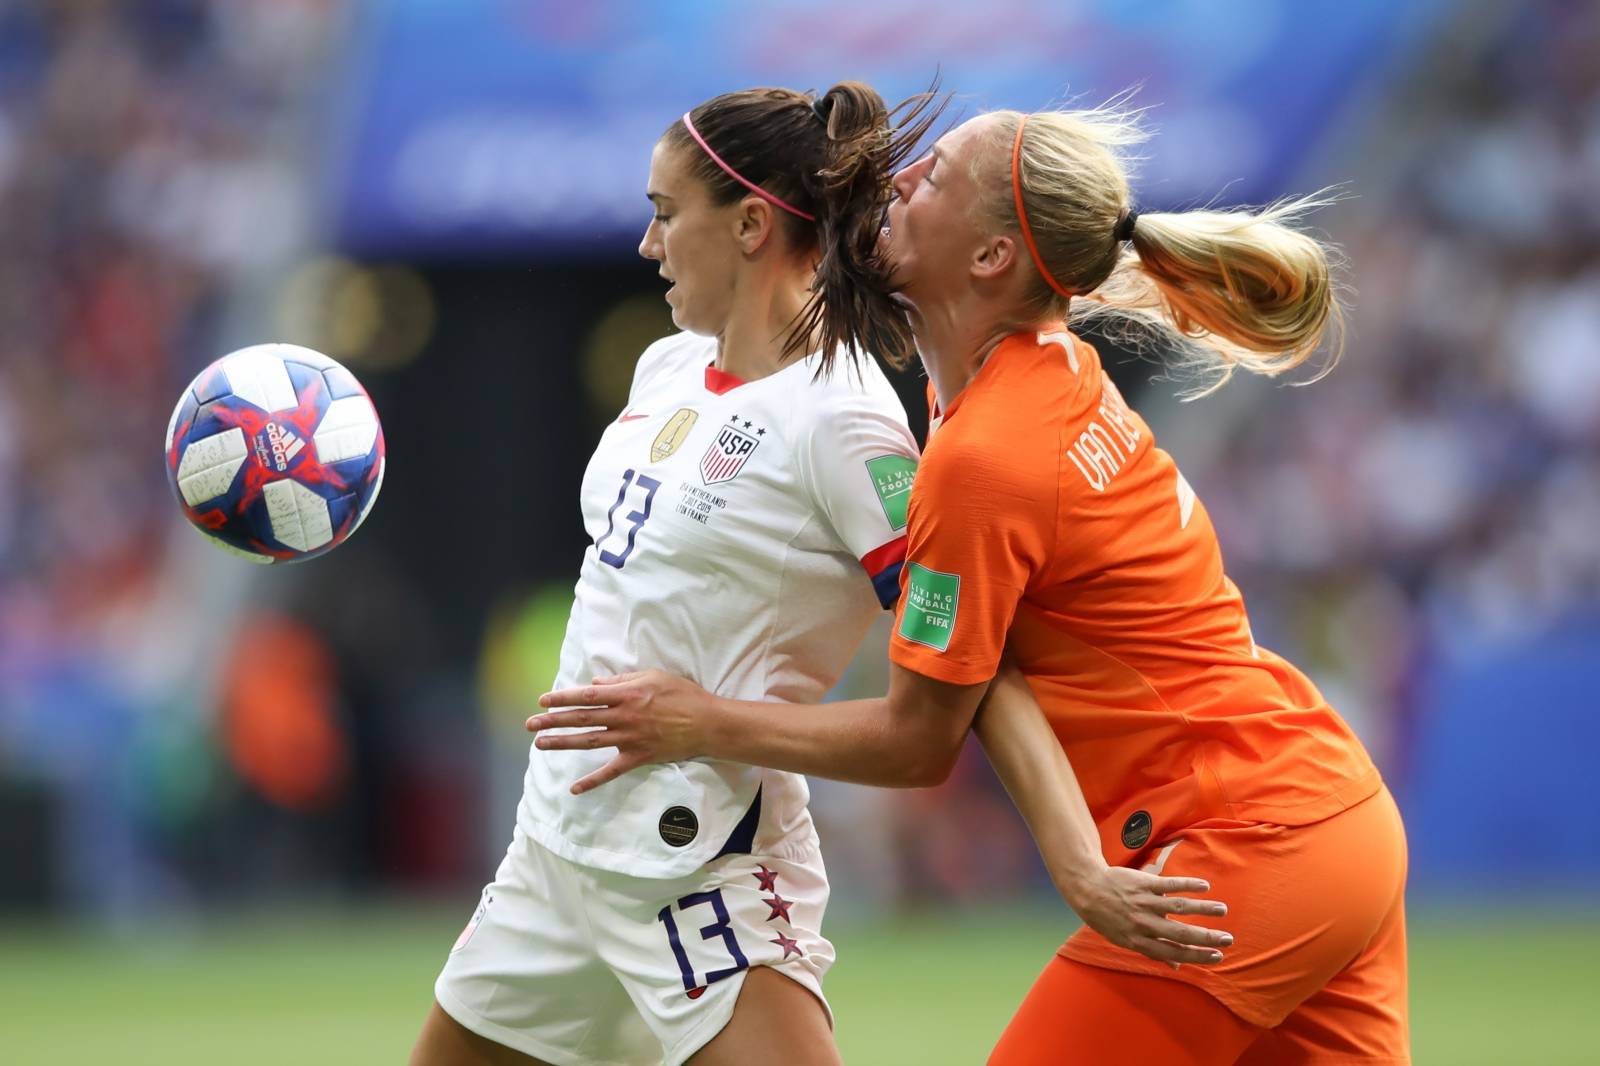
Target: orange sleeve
pixel 980 527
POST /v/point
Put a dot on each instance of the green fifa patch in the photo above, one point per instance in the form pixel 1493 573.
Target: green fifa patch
pixel 891 477
pixel 929 614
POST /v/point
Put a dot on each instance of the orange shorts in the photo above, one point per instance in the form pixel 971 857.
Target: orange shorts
pixel 1317 971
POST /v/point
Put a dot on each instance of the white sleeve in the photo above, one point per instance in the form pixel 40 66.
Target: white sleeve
pixel 857 459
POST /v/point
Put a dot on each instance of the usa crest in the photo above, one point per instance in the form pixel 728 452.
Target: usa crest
pixel 727 455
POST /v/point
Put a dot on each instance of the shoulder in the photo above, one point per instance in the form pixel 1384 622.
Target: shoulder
pixel 669 354
pixel 969 457
pixel 1006 431
pixel 1046 376
pixel 1030 391
pixel 852 389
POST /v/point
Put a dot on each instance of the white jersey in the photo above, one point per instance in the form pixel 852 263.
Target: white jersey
pixel 744 536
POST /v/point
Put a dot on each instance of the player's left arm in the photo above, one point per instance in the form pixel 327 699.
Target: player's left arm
pixel 907 739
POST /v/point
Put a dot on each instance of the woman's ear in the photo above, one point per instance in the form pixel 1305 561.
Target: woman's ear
pixel 753 224
pixel 993 257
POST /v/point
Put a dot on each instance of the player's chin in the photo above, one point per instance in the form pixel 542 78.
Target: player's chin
pixel 690 319
pixel 899 275
pixel 679 316
pixel 906 300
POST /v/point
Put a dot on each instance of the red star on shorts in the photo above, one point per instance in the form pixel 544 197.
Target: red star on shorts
pixel 768 879
pixel 780 908
pixel 789 946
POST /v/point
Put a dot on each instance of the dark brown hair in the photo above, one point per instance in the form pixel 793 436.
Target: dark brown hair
pixel 833 157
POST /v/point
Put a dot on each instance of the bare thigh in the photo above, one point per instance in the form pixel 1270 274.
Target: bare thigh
pixel 772 1012
pixel 446 1042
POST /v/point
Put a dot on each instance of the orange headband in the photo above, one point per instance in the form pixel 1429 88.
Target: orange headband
pixel 1022 214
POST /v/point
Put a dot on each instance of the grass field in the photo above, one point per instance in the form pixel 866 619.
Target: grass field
pixel 933 989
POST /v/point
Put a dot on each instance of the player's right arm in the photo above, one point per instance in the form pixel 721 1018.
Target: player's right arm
pixel 973 541
pixel 907 739
pixel 1127 907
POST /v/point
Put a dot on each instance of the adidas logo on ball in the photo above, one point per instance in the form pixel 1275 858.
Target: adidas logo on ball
pixel 285 445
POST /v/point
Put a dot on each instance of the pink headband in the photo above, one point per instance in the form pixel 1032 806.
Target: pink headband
pixel 740 178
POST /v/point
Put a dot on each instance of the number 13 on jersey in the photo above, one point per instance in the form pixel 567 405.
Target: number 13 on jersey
pixel 642 489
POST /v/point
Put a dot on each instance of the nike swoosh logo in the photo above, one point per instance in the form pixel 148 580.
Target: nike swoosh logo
pixel 630 418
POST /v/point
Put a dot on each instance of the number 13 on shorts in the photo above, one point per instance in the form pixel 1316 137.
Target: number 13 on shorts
pixel 722 928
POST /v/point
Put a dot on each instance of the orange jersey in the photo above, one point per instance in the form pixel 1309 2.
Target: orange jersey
pixel 1045 518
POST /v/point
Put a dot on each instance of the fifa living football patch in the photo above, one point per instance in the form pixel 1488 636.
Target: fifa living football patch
pixel 891 479
pixel 929 614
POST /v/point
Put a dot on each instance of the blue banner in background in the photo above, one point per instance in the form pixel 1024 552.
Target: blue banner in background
pixel 514 126
pixel 1500 793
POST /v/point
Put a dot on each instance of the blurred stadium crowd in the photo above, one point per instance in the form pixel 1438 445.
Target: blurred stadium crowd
pixel 148 176
pixel 1438 494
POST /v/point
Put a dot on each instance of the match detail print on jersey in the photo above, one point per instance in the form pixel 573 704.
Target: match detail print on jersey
pixel 929 615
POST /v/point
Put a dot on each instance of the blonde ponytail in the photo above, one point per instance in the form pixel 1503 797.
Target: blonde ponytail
pixel 1225 289
pixel 1239 289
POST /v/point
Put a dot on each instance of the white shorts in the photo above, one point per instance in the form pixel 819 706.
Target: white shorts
pixel 585 967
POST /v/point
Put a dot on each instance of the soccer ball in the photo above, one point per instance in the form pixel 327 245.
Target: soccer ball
pixel 275 453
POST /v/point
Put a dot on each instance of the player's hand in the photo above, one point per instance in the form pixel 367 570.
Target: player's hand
pixel 1130 908
pixel 649 716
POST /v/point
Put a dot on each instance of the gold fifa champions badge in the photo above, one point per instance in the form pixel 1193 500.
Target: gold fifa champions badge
pixel 673 434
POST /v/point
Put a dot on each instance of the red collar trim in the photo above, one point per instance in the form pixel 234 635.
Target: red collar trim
pixel 720 381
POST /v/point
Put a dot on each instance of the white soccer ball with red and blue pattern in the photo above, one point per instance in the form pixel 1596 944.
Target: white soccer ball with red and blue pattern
pixel 275 453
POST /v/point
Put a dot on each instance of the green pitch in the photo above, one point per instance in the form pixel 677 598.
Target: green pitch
pixel 351 988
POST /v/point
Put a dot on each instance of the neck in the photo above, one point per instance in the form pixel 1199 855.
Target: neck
pixel 751 345
pixel 954 343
